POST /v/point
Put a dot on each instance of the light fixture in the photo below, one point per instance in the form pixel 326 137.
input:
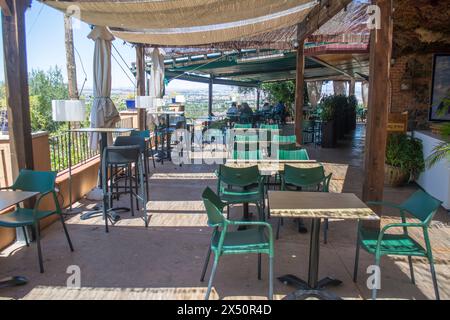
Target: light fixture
pixel 69 111
pixel 180 99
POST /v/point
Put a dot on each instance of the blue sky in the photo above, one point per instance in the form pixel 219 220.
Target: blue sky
pixel 45 48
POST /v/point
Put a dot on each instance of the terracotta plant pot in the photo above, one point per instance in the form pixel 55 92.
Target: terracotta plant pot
pixel 394 176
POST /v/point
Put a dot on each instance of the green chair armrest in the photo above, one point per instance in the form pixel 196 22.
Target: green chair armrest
pixel 39 199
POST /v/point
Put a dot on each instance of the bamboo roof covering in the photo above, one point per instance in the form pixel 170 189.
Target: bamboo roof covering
pixel 218 24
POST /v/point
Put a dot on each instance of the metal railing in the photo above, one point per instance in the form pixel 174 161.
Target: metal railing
pixel 80 149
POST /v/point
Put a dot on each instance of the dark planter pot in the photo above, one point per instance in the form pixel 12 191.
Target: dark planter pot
pixel 353 123
pixel 131 104
pixel 329 138
pixel 340 126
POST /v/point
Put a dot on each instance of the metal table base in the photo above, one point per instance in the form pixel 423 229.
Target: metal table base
pixel 13 281
pixel 313 288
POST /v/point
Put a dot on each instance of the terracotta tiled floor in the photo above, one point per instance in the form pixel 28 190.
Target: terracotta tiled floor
pixel 165 260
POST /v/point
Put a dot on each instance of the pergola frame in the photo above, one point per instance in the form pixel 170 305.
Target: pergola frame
pixel 13 13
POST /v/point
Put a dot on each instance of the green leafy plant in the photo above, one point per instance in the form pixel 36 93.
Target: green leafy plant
pixel 442 150
pixel 352 103
pixel 405 153
pixel 327 108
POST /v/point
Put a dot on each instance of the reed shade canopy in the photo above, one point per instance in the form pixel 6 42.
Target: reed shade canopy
pixel 188 22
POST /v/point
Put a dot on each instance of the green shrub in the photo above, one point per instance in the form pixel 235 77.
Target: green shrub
pixel 406 153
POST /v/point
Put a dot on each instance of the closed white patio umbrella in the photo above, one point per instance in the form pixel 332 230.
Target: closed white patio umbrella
pixel 156 89
pixel 103 113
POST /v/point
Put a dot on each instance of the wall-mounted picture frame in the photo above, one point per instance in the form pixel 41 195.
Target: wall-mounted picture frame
pixel 440 88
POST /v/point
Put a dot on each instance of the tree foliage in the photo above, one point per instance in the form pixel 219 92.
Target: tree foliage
pixel 283 91
pixel 45 87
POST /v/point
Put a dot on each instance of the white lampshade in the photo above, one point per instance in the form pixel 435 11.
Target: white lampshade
pixel 180 99
pixel 68 110
pixel 159 102
pixel 144 102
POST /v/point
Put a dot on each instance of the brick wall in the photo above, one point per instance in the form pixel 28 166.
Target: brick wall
pixel 411 77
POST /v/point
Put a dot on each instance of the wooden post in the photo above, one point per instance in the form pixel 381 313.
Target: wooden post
pixel 351 88
pixel 258 97
pixel 299 90
pixel 379 97
pixel 210 94
pixel 140 82
pixel 16 85
pixel 70 58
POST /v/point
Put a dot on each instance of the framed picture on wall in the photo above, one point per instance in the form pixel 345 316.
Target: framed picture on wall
pixel 440 89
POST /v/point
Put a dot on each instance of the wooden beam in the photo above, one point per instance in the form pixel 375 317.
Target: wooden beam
pixel 140 82
pixel 299 90
pixel 330 66
pixel 5 8
pixel 70 58
pixel 379 97
pixel 16 86
pixel 320 15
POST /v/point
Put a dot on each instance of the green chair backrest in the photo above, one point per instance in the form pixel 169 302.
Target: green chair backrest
pixel 269 126
pixel 288 146
pixel 35 181
pixel 214 207
pixel 246 155
pixel 246 138
pixel 142 133
pixel 243 126
pixel 305 177
pixel 301 154
pixel 284 139
pixel 241 177
pixel 422 206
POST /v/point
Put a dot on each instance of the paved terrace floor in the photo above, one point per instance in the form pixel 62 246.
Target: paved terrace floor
pixel 165 260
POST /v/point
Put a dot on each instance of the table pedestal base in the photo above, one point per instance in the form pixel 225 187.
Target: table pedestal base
pixel 305 291
pixel 112 213
pixel 13 281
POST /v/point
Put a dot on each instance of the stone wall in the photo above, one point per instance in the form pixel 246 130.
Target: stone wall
pixel 421 28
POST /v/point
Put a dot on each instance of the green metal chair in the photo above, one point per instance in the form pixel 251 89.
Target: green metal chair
pixel 147 135
pixel 301 154
pixel 34 181
pixel 420 206
pixel 246 155
pixel 258 238
pixel 241 186
pixel 270 126
pixel 284 139
pixel 305 179
pixel 243 126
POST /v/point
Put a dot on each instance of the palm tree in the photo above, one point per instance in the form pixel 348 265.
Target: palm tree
pixel 442 150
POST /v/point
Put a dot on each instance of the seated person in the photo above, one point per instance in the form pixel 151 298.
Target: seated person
pixel 245 109
pixel 233 109
pixel 266 107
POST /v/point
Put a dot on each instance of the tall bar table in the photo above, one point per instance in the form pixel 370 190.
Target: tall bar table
pixel 103 144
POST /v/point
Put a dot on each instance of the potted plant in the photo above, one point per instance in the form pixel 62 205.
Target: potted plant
pixel 404 159
pixel 327 115
pixel 352 106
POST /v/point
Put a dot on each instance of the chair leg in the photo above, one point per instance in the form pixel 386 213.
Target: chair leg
pixel 205 265
pixel 278 228
pixel 433 275
pixel 259 266
pixel 270 278
pixel 411 270
pixel 374 289
pixel 211 278
pixel 228 212
pixel 24 230
pixel 66 232
pixel 130 180
pixel 355 270
pixel 38 242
